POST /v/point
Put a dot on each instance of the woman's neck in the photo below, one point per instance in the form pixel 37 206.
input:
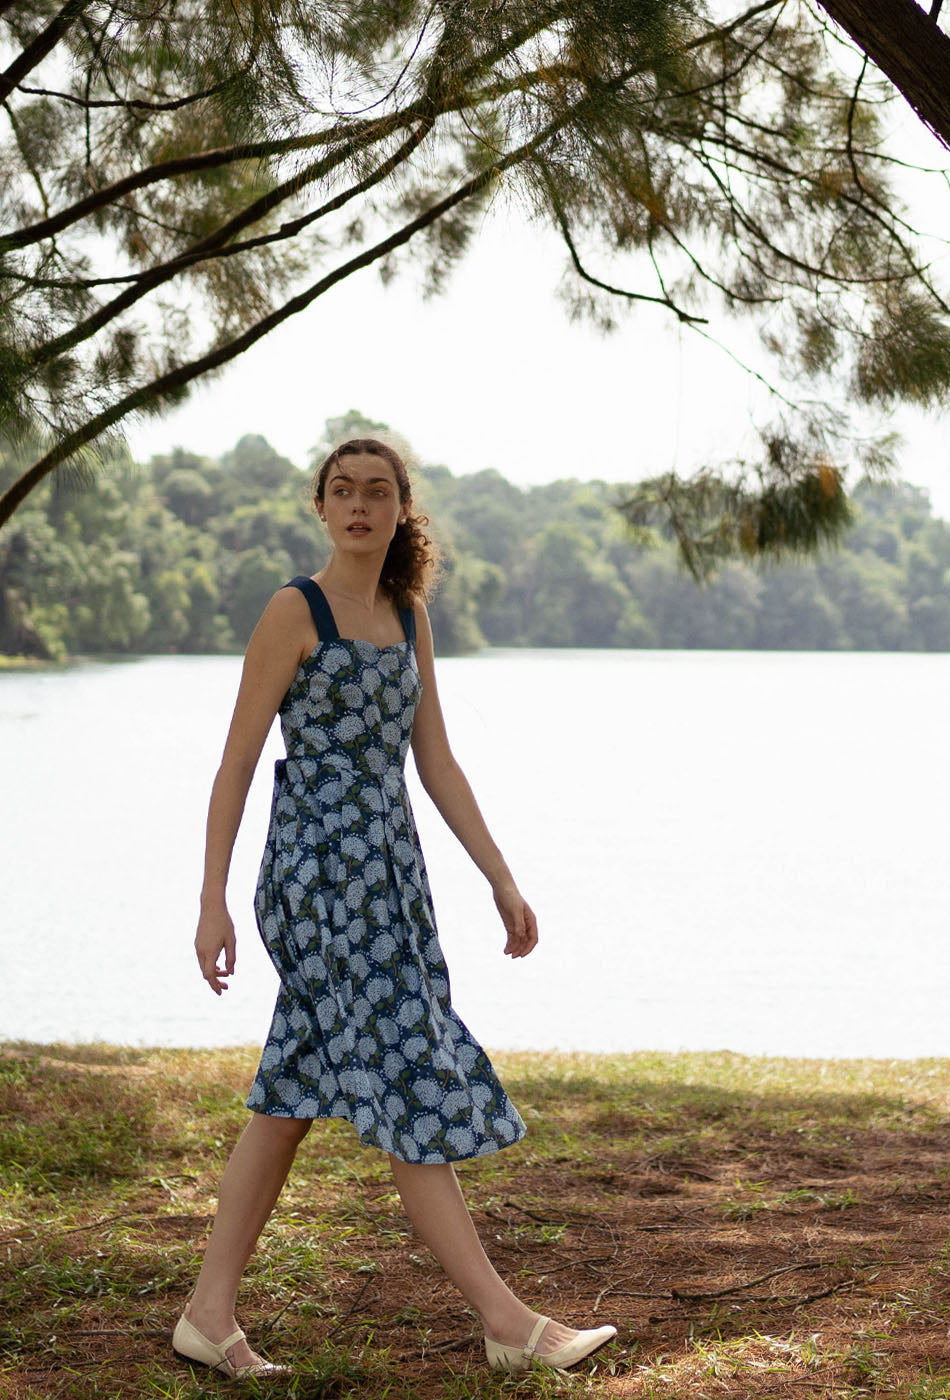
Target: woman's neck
pixel 355 579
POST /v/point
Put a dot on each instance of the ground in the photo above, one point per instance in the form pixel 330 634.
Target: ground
pixel 754 1227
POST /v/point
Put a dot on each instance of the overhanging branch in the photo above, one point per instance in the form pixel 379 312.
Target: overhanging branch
pixel 43 44
pixel 171 383
pixel 678 312
pixel 908 46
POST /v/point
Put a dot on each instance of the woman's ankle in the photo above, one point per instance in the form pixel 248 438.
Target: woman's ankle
pixel 208 1312
pixel 511 1326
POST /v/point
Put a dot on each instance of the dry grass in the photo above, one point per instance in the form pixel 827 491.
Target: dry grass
pixel 755 1228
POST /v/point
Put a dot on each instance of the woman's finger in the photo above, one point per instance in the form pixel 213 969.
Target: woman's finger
pixel 217 980
pixel 529 937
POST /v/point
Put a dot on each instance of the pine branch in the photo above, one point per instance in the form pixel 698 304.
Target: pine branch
pixel 665 300
pixel 130 104
pixel 213 243
pixel 210 160
pixel 253 213
pixel 163 170
pixel 871 209
pixel 357 137
pixel 216 241
pixel 729 292
pixel 852 105
pixel 43 44
pixel 170 385
pixel 25 157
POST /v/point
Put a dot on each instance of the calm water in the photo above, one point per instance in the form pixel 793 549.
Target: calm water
pixel 725 850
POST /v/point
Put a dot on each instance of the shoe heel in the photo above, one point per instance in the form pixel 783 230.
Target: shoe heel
pixel 502 1358
pixel 190 1360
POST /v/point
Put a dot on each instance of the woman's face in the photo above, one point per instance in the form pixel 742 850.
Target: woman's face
pixel 361 504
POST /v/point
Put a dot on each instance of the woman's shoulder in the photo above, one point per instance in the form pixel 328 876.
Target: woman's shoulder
pixel 286 617
pixel 420 612
pixel 422 627
pixel 282 637
pixel 290 600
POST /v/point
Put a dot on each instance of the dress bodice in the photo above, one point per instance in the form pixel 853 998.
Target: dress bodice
pixel 355 702
pixel 351 703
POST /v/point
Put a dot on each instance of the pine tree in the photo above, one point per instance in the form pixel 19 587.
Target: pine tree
pixel 173 176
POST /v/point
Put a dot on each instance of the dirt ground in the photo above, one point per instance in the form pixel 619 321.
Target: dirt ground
pixel 846 1285
pixel 771 1265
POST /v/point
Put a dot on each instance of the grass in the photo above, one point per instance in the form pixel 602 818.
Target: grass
pixel 28 663
pixel 755 1228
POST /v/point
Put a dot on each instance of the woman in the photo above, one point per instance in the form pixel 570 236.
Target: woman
pixel 363 1028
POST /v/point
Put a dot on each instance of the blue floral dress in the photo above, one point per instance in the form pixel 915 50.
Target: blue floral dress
pixel 364 1027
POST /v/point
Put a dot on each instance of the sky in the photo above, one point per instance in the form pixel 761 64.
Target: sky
pixel 493 373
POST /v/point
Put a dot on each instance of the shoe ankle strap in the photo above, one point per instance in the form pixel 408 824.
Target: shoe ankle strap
pixel 225 1346
pixel 532 1342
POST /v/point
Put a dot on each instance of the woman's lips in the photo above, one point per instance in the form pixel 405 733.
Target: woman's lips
pixel 358 529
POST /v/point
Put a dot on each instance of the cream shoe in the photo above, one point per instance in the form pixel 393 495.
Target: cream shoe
pixel 521 1358
pixel 191 1345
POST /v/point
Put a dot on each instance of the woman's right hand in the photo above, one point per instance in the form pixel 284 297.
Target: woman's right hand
pixel 215 936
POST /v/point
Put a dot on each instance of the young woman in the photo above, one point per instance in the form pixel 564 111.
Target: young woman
pixel 363 1028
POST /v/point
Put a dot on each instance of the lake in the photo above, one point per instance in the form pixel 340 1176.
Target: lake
pixel 725 850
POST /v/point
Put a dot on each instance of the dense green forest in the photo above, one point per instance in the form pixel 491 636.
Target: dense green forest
pixel 182 554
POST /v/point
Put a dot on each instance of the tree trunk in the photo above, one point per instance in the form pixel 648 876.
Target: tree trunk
pixel 907 45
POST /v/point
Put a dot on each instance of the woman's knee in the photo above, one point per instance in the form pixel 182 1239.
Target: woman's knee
pixel 287 1131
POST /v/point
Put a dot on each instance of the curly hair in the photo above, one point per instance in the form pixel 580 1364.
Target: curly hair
pixel 413 560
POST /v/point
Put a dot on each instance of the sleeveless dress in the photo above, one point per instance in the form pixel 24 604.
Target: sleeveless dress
pixel 364 1027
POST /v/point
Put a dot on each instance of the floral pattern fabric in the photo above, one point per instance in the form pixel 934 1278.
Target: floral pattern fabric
pixel 364 1027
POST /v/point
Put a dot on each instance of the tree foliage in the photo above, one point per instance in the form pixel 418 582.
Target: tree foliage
pixel 183 555
pixel 177 181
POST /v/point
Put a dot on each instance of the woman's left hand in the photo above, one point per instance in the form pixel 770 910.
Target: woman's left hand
pixel 518 918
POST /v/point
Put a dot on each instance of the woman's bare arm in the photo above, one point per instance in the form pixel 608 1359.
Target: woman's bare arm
pixel 273 654
pixel 449 789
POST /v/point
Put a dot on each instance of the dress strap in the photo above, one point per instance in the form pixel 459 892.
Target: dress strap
pixel 320 610
pixel 408 619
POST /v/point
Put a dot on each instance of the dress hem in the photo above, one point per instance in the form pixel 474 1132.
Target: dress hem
pixel 368 1140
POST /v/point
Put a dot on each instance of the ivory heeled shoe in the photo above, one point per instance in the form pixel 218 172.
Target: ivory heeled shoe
pixel 193 1346
pixel 521 1358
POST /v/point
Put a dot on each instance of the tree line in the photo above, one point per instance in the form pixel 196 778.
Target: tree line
pixel 181 555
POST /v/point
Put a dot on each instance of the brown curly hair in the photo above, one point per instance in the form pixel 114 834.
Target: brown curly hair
pixel 412 564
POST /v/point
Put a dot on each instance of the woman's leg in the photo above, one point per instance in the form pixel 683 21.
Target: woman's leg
pixel 436 1207
pixel 252 1181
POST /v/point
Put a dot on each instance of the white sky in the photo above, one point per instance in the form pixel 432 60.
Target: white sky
pixel 493 374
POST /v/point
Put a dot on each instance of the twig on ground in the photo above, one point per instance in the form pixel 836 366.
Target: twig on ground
pixel 453 1344
pixel 776 1300
pixel 747 1283
pixel 78 1229
pixel 354 1303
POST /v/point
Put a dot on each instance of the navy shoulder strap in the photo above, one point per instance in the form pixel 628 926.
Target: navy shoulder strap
pixel 319 607
pixel 408 619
